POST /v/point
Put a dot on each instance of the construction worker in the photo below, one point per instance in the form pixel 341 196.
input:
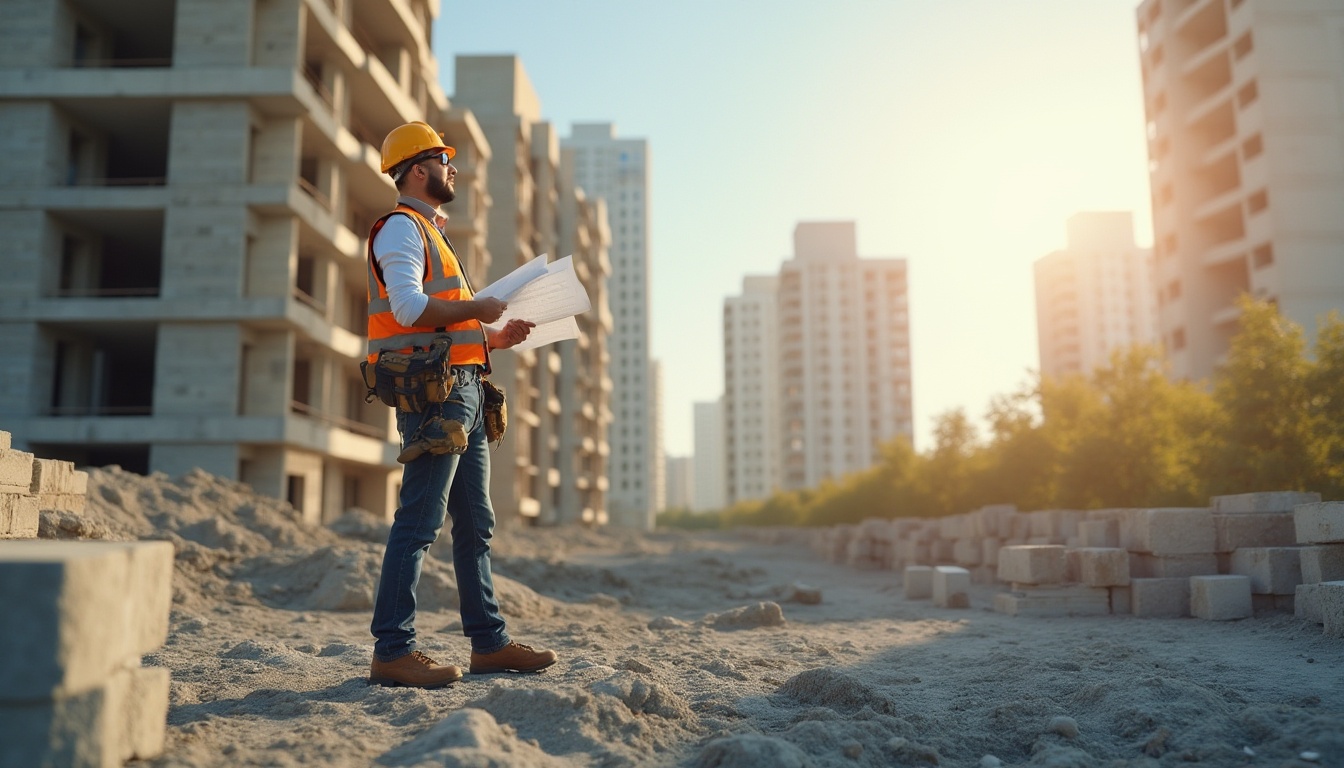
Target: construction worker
pixel 418 292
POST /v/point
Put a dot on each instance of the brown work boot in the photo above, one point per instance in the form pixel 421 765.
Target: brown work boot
pixel 514 657
pixel 414 670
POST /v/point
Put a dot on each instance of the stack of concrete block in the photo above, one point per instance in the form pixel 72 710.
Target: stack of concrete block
pixel 1041 583
pixel 1254 536
pixel 1319 526
pixel 1167 547
pixel 29 485
pixel 78 617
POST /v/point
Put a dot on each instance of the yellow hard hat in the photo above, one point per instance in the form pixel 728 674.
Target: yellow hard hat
pixel 412 140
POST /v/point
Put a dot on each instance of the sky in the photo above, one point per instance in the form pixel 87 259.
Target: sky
pixel 957 134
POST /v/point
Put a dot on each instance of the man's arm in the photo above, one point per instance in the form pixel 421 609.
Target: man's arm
pixel 400 253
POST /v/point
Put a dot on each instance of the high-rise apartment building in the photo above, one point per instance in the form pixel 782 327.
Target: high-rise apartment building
pixel 553 464
pixel 1095 296
pixel 680 482
pixel 617 170
pixel 751 390
pixel 844 356
pixel 584 378
pixel 1246 148
pixel 186 195
pixel 710 490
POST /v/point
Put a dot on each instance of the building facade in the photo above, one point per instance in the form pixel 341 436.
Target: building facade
pixel 185 260
pixel 617 170
pixel 680 482
pixel 844 356
pixel 1246 149
pixel 1095 296
pixel 751 391
pixel 709 460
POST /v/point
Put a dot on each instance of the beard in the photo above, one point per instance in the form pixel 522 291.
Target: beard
pixel 437 188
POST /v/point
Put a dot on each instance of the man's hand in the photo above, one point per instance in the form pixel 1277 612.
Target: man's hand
pixel 512 333
pixel 488 310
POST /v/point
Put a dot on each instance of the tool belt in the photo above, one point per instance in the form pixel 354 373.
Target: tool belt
pixel 410 381
pixel 496 411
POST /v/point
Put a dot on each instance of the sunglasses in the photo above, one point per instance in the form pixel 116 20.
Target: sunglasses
pixel 442 156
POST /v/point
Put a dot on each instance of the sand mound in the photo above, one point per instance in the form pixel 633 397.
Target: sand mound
pixel 469 738
pixel 752 750
pixel 748 617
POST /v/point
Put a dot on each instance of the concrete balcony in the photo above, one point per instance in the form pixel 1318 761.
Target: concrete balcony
pixel 1225 253
pixel 1218 205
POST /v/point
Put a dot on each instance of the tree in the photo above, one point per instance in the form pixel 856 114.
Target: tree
pixel 1263 390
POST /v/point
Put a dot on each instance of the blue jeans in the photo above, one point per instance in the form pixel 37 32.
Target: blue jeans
pixel 433 487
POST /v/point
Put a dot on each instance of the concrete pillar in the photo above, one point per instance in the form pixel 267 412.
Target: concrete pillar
pixel 208 142
pixel 272 256
pixel 277 33
pixel 204 251
pixel 267 374
pixel 209 34
pixel 196 369
pixel 36 33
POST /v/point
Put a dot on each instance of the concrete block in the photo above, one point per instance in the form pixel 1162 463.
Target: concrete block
pixel 16 471
pixel 1033 564
pixel 1172 531
pixel 1146 566
pixel 1044 523
pixel 1272 570
pixel 967 552
pixel 1121 600
pixel 1322 563
pixel 1099 533
pixel 1067 521
pixel 4 441
pixel 911 551
pixel 953 527
pixel 918 582
pixel 1220 598
pixel 1051 602
pixel 122 718
pixel 989 552
pixel 77 503
pixel 1307 602
pixel 1160 598
pixel 1330 599
pixel 983 574
pixel 940 551
pixel 1252 503
pixel 19 516
pixel 951 587
pixel 1103 567
pixel 1320 523
pixel 1253 529
pixel 54 476
pixel 77 610
pixel 1263 605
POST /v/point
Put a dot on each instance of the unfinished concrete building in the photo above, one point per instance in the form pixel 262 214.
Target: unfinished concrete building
pixel 1246 158
pixel 186 194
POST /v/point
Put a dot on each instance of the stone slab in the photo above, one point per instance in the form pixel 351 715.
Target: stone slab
pixel 1099 533
pixel 19 516
pixel 1322 563
pixel 951 587
pixel 1220 598
pixel 967 552
pixel 122 718
pixel 1033 564
pixel 1103 567
pixel 1253 529
pixel 1272 570
pixel 77 610
pixel 1121 600
pixel 56 476
pixel 1320 523
pixel 1252 503
pixel 1330 596
pixel 1160 598
pixel 1052 602
pixel 16 471
pixel 918 582
pixel 1171 531
pixel 1146 566
pixel 1307 602
pixel 989 552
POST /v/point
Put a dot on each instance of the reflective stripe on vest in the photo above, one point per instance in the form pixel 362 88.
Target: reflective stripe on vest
pixel 443 279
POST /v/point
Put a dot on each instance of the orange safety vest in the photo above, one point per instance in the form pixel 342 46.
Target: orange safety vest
pixel 443 279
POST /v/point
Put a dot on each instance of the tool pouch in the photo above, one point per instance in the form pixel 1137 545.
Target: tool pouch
pixel 496 411
pixel 410 381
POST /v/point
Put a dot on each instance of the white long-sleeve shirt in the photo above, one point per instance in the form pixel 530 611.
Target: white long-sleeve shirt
pixel 400 252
